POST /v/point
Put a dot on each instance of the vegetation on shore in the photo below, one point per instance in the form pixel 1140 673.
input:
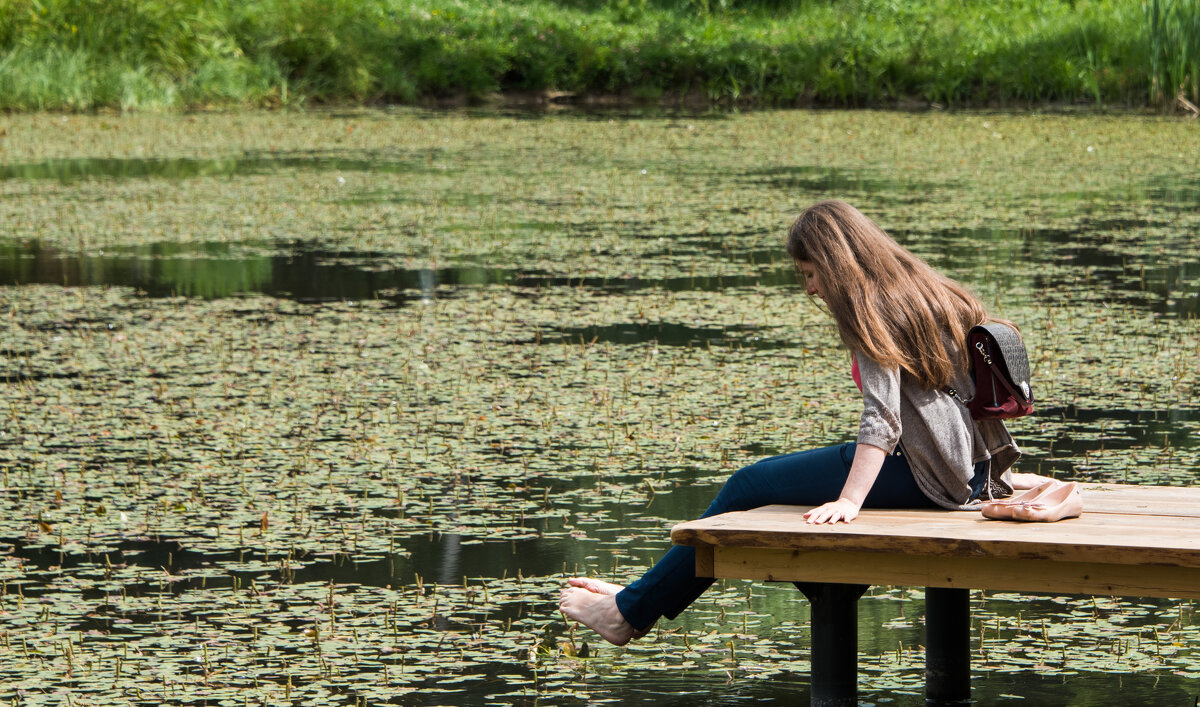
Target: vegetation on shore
pixel 150 54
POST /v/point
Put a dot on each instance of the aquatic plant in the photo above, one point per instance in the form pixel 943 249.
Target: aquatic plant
pixel 223 477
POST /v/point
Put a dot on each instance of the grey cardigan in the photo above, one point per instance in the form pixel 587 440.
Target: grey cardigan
pixel 936 433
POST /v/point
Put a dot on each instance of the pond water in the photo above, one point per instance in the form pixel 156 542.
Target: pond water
pixel 322 408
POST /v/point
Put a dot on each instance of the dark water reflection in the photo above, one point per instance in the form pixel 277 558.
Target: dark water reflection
pixel 218 270
pixel 684 689
pixel 1175 191
pixel 1100 257
pixel 831 180
pixel 437 558
pixel 304 273
pixel 665 334
pixel 1130 428
pixel 1091 257
pixel 1060 441
pixel 74 169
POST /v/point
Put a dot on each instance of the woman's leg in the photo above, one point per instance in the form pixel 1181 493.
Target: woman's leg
pixel 807 478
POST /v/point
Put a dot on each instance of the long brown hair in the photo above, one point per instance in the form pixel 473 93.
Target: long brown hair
pixel 887 303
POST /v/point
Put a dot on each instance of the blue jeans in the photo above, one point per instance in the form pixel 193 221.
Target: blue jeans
pixel 807 478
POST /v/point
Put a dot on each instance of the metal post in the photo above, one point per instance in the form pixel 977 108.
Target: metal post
pixel 947 646
pixel 834 654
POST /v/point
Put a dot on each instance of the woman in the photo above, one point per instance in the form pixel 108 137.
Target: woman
pixel 917 446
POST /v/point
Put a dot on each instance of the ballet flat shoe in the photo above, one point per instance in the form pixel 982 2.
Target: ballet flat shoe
pixel 1002 509
pixel 1047 503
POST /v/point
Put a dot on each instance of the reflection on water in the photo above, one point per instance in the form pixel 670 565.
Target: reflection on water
pixel 1101 257
pixel 663 688
pixel 439 559
pixel 665 334
pixel 1122 429
pixel 831 180
pixel 74 169
pixel 1072 442
pixel 1175 191
pixel 302 272
pixel 1090 257
pixel 216 270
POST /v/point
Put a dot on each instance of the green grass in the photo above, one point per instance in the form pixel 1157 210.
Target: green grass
pixel 130 54
pixel 1174 48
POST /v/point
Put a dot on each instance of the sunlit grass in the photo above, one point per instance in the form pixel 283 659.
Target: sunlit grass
pixel 73 55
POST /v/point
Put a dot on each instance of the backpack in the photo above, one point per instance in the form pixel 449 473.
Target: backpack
pixel 1000 367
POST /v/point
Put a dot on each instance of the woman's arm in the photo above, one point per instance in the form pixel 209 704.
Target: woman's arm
pixel 868 460
pixel 878 431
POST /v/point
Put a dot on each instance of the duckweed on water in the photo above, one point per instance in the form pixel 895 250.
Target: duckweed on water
pixel 252 494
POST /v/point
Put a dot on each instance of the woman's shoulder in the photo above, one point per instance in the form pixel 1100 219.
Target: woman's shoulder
pixel 873 375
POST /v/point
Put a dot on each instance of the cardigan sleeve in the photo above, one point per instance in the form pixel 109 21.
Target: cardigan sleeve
pixel 879 425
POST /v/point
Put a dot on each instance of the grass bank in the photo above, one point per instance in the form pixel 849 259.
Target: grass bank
pixel 151 54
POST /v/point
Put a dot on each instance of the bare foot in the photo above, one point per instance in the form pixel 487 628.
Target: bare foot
pixel 594 585
pixel 599 586
pixel 598 612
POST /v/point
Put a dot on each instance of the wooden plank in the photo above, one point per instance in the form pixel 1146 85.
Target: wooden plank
pixel 704 561
pixel 932 522
pixel 1015 544
pixel 918 521
pixel 1107 538
pixel 1150 500
pixel 1191 493
pixel 1115 529
pixel 966 573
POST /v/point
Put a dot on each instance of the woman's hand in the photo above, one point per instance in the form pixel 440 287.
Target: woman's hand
pixel 868 460
pixel 832 512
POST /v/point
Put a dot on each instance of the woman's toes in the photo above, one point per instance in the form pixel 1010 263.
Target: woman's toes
pixel 594 585
pixel 598 612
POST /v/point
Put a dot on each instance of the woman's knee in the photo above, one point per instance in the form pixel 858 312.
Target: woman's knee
pixel 742 490
pixel 809 477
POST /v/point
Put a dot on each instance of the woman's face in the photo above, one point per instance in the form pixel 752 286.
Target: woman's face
pixel 812 282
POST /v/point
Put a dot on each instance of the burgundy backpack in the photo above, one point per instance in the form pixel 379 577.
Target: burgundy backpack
pixel 1000 368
